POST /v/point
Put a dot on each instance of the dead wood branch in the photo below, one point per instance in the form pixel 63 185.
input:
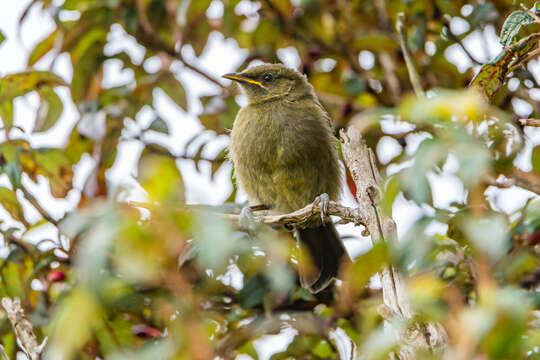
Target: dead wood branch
pixel 360 160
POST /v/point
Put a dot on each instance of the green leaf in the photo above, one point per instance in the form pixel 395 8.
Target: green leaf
pixel 160 177
pixel 2 37
pixel 54 164
pixel 13 170
pixel 80 313
pixel 42 48
pixel 492 75
pixel 535 159
pixel 14 85
pixel 367 265
pixel 323 350
pixel 49 110
pixel 392 189
pixel 6 113
pixel 512 24
pixel 13 277
pixel 252 294
pixel 249 349
pixel 9 201
pixel 78 144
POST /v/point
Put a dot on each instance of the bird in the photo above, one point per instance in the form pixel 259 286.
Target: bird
pixel 284 156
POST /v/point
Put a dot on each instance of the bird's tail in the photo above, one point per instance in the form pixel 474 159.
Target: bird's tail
pixel 327 253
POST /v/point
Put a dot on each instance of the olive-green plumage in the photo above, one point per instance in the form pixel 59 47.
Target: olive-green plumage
pixel 285 155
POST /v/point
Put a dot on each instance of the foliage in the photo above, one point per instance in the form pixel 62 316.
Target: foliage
pixel 162 279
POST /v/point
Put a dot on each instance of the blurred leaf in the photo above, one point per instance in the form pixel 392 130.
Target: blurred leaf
pixel 492 75
pixel 6 114
pixel 252 294
pixel 42 48
pixel 482 13
pixel 536 159
pixel 49 110
pixel 2 37
pixel 51 163
pixel 160 177
pixel 391 191
pixel 14 85
pixel 367 265
pixel 489 235
pixel 9 201
pixel 13 279
pixel 216 241
pixel 78 312
pixel 77 145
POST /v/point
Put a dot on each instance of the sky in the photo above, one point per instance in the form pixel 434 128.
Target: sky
pixel 221 56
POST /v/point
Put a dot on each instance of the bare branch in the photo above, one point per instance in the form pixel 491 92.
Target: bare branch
pixel 303 215
pixel 22 327
pixel 530 122
pixel 456 39
pixel 35 203
pixel 413 74
pixel 360 161
pixel 152 42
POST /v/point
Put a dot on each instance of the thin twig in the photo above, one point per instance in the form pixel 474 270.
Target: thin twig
pixel 530 122
pixel 456 39
pixel 413 74
pixel 151 41
pixel 22 327
pixel 35 203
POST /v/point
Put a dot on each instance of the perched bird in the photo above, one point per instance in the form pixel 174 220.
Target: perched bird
pixel 285 157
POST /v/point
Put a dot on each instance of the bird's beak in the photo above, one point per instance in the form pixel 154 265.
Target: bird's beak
pixel 241 78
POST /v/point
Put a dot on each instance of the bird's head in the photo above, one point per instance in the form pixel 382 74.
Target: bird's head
pixel 270 82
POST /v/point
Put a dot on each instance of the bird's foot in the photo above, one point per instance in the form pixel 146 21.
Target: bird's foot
pixel 248 220
pixel 322 201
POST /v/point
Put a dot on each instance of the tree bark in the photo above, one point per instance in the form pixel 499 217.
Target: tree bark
pixel 360 160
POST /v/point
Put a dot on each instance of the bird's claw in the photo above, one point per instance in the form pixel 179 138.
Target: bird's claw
pixel 247 220
pixel 322 201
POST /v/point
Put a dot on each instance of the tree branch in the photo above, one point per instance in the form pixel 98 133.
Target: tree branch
pixel 360 160
pixel 22 327
pixel 35 203
pixel 413 74
pixel 151 41
pixel 456 39
pixel 530 122
pixel 303 215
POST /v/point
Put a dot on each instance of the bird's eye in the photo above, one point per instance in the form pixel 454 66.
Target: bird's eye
pixel 267 77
